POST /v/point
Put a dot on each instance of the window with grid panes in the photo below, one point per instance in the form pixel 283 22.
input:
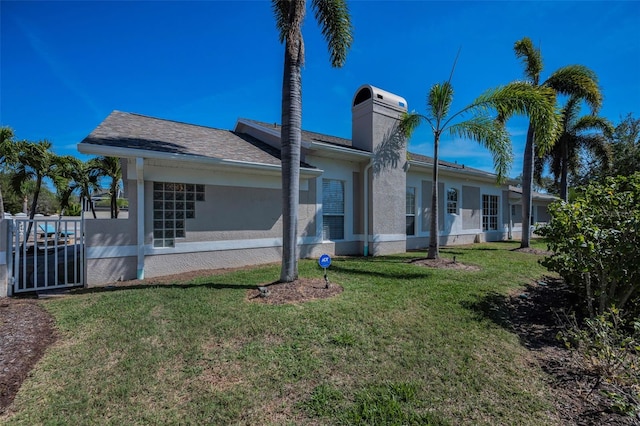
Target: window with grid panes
pixel 332 209
pixel 173 203
pixel 452 201
pixel 411 210
pixel 489 212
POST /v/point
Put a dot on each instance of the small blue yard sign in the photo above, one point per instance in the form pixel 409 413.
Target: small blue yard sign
pixel 324 261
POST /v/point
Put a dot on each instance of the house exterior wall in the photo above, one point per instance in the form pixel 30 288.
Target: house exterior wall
pixel 111 248
pixel 464 226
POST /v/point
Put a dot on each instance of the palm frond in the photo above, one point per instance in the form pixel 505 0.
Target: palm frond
pixel 492 135
pixel 335 23
pixel 579 81
pixel 439 100
pixel 589 123
pixel 531 58
pixel 523 98
pixel 281 10
pixel 408 123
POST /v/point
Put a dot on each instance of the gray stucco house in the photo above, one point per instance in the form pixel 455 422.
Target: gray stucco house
pixel 201 197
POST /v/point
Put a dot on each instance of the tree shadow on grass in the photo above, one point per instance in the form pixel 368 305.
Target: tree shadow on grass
pixel 530 313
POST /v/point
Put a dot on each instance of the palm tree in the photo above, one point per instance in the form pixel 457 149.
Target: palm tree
pixel 572 80
pixel 8 154
pixel 335 22
pixel 34 161
pixel 74 175
pixel 590 132
pixel 515 98
pixel 109 167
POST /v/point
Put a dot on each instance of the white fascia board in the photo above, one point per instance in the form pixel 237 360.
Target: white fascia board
pixel 134 153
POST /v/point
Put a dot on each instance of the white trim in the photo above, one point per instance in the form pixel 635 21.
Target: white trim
pixel 105 252
pixel 204 246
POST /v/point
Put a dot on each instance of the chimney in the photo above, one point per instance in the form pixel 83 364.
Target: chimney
pixel 374 115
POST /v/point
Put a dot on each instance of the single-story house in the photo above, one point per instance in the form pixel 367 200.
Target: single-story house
pixel 201 197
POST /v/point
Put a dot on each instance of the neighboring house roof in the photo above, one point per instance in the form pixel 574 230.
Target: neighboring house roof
pixel 139 132
pixel 536 195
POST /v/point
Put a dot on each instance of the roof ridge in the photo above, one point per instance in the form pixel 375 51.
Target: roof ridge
pixel 265 124
pixel 172 121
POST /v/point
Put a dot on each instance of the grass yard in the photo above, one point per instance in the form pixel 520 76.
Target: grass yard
pixel 403 344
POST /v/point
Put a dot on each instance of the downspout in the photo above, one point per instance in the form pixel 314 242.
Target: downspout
pixel 366 207
pixel 140 215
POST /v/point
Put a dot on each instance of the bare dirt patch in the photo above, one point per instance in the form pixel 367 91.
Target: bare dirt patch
pixel 26 330
pixel 442 263
pixel 532 250
pixel 299 291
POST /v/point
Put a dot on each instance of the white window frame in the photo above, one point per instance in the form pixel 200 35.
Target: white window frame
pixel 490 211
pixel 452 204
pixel 336 212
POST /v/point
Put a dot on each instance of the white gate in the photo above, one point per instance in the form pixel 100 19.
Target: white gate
pixel 45 254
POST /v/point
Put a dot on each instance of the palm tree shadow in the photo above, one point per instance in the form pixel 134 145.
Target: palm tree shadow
pixel 530 313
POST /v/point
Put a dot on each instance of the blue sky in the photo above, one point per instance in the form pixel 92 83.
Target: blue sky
pixel 64 66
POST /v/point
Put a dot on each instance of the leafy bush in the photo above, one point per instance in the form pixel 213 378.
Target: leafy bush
pixel 595 242
pixel 74 209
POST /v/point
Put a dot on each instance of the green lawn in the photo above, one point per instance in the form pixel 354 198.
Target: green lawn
pixel 403 344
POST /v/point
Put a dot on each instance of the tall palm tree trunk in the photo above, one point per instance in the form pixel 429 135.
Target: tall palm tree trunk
pixel 291 142
pixel 434 243
pixel 527 182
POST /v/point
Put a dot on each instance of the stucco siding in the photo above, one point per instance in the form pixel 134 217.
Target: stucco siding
pixel 109 270
pixel 427 191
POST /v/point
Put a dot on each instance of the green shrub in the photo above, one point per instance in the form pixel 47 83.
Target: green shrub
pixel 74 209
pixel 595 242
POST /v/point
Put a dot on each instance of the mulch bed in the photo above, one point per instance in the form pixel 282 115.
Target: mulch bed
pixel 301 290
pixel 26 330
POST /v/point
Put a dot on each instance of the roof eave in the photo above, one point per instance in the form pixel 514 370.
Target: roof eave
pixel 350 152
pixel 103 150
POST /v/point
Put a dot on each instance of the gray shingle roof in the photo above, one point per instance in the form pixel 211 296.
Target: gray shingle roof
pixel 335 140
pixel 307 135
pixel 135 131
